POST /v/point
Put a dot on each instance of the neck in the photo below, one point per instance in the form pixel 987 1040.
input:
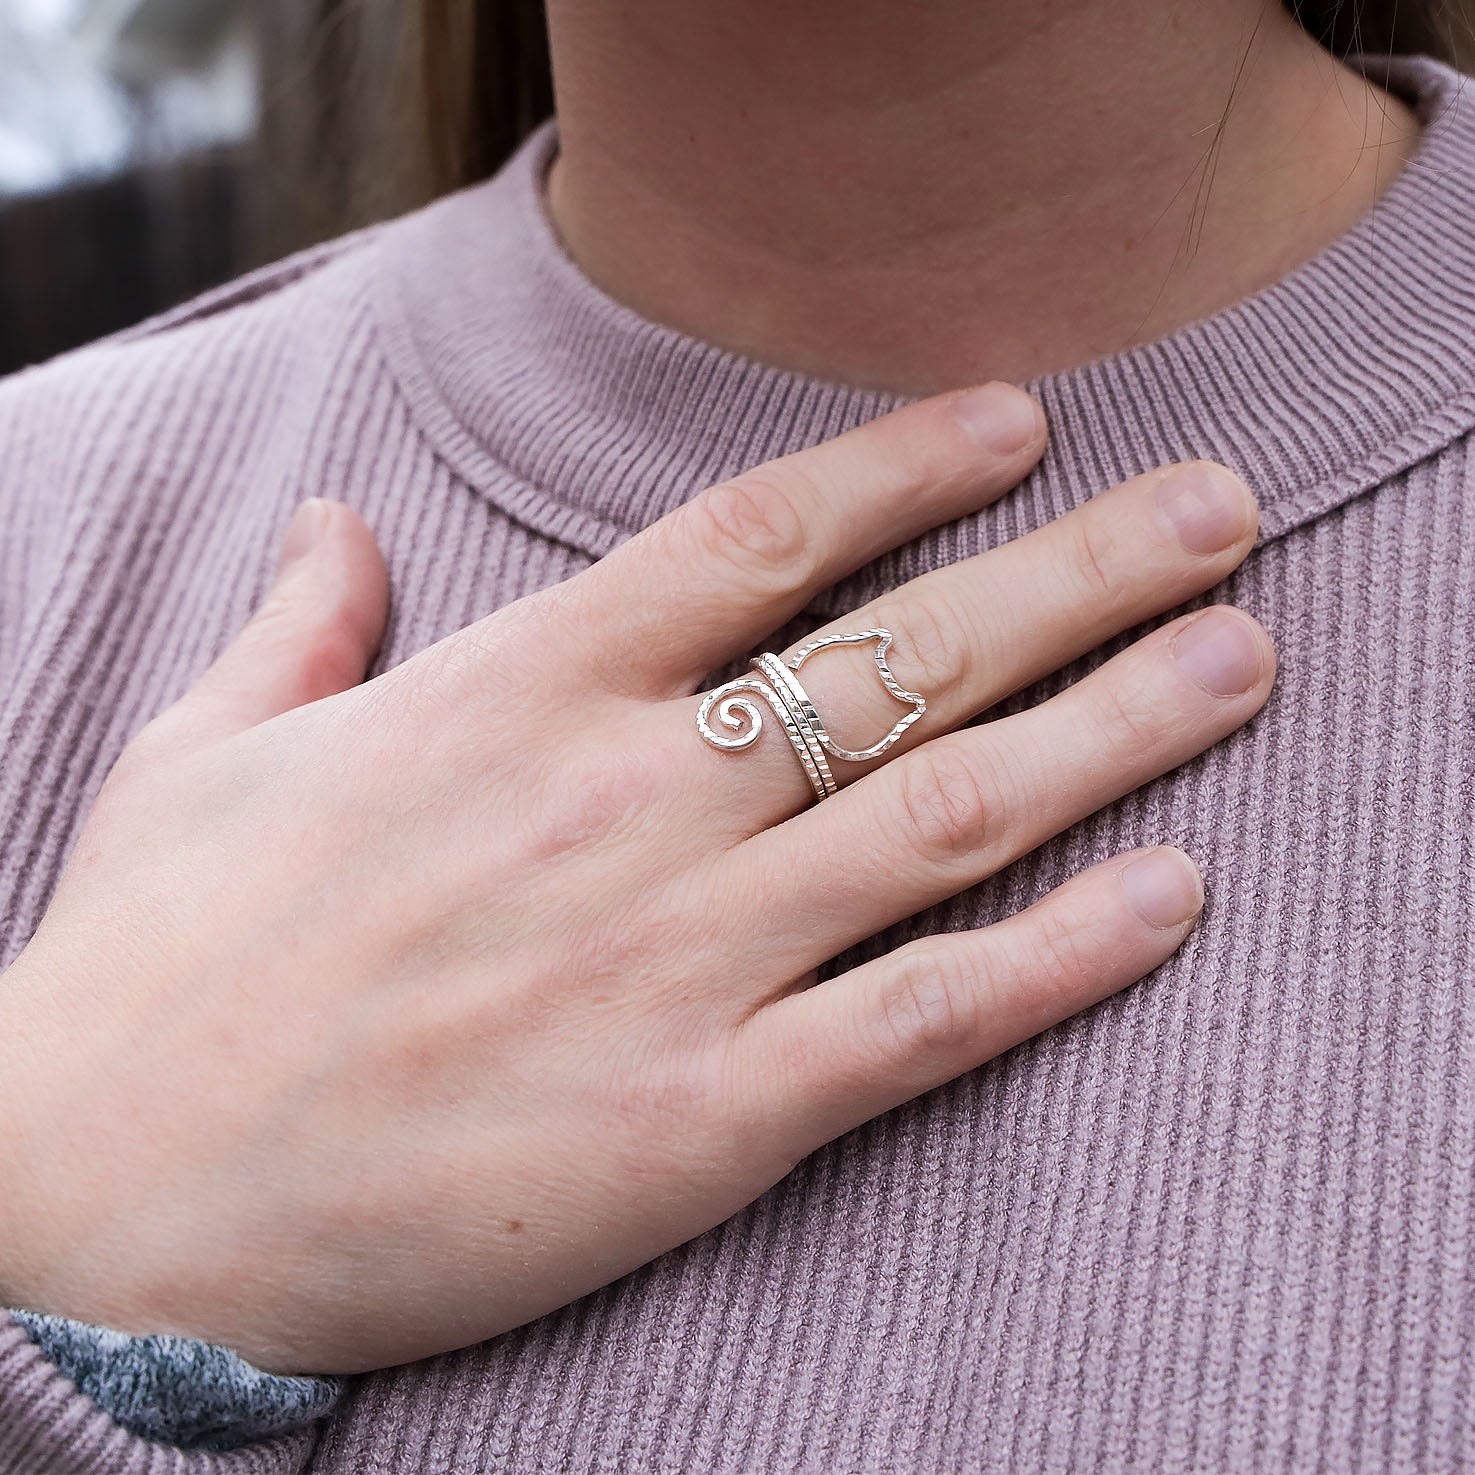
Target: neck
pixel 914 198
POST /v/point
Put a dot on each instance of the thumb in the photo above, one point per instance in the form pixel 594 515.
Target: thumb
pixel 313 635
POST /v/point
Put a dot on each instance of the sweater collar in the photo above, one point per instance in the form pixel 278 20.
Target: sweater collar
pixel 586 421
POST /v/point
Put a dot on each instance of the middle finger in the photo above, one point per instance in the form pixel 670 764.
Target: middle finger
pixel 967 635
pixel 960 809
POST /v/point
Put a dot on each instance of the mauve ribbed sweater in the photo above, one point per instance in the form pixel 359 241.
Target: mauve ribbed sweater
pixel 1221 1222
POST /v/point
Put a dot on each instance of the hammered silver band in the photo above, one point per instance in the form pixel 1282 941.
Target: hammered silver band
pixel 786 698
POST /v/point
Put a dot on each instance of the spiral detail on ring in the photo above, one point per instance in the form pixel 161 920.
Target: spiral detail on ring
pixel 788 701
pixel 736 711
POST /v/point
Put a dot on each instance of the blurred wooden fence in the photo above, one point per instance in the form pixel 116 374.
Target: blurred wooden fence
pixel 98 256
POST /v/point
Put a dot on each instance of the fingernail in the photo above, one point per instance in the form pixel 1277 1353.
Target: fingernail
pixel 1164 887
pixel 304 532
pixel 1221 651
pixel 999 417
pixel 1207 506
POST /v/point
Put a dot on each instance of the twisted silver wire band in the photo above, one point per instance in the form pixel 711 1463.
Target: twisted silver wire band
pixel 806 719
pixel 786 698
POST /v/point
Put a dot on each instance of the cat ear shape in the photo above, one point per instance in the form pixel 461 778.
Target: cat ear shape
pixel 916 700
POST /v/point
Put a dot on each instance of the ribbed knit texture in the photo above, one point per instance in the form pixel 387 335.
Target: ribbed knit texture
pixel 179 1390
pixel 48 1428
pixel 1221 1222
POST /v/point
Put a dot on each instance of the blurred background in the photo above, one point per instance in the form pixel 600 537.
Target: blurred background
pixel 150 149
pixel 128 131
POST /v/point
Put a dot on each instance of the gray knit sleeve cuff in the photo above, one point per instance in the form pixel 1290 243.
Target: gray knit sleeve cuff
pixel 177 1391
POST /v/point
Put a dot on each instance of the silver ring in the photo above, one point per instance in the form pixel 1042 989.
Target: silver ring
pixel 790 703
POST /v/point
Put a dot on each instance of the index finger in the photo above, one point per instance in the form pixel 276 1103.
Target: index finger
pixel 705 583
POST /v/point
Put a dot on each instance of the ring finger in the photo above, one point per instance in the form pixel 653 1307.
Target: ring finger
pixel 964 806
pixel 966 636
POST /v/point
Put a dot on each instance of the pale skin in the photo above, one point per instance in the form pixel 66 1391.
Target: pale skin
pixel 919 196
pixel 373 1018
pixel 339 1084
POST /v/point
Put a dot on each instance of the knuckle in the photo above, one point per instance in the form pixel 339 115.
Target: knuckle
pixel 593 801
pixel 667 1101
pixel 927 453
pixel 932 646
pixel 1059 961
pixel 1130 718
pixel 930 1003
pixel 754 524
pixel 1093 559
pixel 669 1093
pixel 944 807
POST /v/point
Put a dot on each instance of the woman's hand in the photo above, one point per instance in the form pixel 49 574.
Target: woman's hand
pixel 370 1020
